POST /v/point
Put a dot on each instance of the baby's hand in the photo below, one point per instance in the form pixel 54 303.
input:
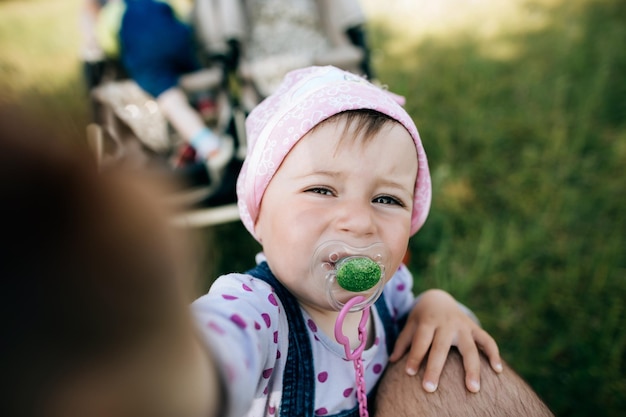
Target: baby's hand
pixel 437 322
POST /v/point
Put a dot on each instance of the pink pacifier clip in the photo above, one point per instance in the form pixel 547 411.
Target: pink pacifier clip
pixel 355 355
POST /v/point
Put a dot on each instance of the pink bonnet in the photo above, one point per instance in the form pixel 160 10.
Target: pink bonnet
pixel 304 99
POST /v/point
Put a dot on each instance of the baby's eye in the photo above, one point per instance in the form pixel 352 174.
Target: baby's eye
pixel 320 190
pixel 385 199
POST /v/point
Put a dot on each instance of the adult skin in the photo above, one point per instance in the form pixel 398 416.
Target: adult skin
pixel 504 394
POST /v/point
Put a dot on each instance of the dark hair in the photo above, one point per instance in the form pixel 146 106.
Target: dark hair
pixel 367 122
pixel 85 268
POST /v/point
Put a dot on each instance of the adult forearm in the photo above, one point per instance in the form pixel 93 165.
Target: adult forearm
pixel 505 394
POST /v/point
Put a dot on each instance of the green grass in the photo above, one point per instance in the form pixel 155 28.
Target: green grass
pixel 526 135
pixel 528 220
pixel 39 66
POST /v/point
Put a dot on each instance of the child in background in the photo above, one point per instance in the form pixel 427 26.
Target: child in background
pixel 335 170
pixel 156 47
pixel 94 296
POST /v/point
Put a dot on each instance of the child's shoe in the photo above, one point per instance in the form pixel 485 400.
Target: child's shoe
pixel 185 156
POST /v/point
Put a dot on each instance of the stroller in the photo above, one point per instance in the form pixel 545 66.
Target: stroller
pixel 130 129
pixel 269 38
pixel 240 69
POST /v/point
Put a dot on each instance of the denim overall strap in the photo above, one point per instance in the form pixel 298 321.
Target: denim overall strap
pixel 389 324
pixel 298 397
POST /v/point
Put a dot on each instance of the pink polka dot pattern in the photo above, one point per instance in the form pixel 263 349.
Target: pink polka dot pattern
pixel 236 318
pixel 228 297
pixel 268 372
pixel 378 368
pixel 230 373
pixel 214 326
pixel 246 288
pixel 401 287
pixel 321 411
pixel 278 354
pixel 271 410
pixel 275 337
pixel 257 326
pixel 322 376
pixel 347 392
pixel 312 325
pixel 272 299
pixel 376 341
pixel 266 319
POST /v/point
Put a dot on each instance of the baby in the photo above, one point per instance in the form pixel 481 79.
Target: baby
pixel 335 171
pixel 154 42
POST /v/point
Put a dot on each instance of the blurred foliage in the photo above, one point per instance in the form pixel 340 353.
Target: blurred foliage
pixel 39 66
pixel 526 137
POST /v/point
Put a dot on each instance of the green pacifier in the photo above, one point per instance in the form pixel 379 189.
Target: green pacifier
pixel 350 271
pixel 357 273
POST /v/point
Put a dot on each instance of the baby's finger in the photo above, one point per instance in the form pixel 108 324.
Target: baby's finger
pixel 421 343
pixel 488 345
pixel 436 359
pixel 471 363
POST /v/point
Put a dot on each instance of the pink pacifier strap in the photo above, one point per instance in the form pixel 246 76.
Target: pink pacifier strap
pixel 355 355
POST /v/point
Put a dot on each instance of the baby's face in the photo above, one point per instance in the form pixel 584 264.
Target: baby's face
pixel 356 192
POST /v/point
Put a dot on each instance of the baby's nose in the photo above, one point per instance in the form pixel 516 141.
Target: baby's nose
pixel 357 218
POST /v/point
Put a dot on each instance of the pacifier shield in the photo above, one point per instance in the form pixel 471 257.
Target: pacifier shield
pixel 358 273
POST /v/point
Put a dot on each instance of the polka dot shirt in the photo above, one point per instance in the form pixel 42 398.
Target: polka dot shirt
pixel 244 325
